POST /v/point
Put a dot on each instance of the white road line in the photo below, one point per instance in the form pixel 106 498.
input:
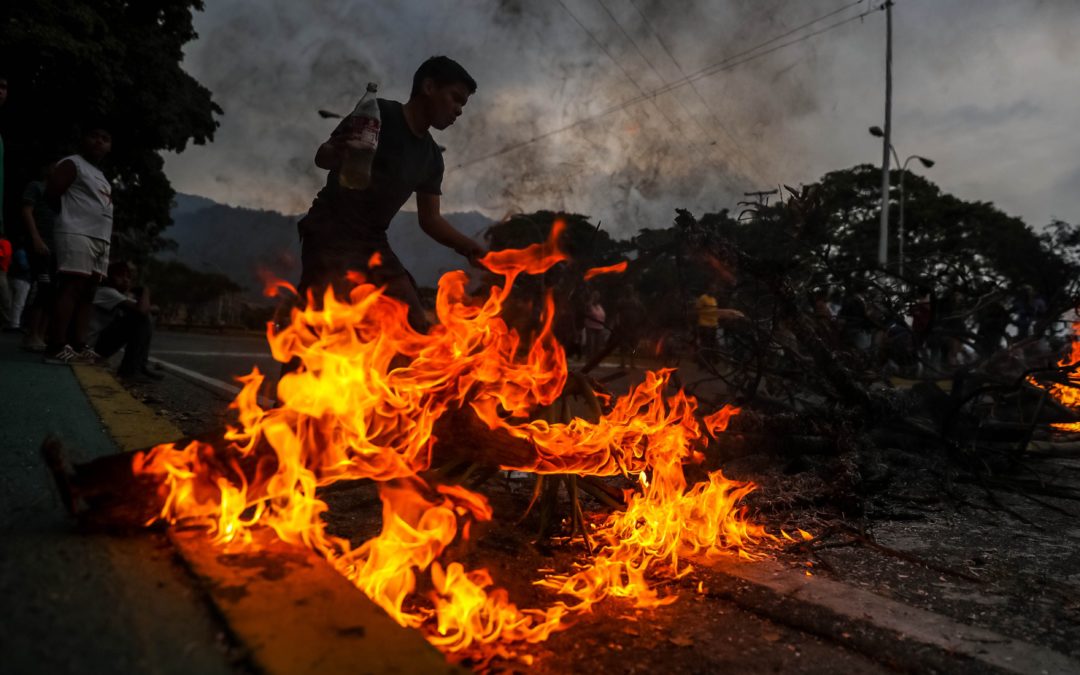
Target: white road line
pixel 174 352
pixel 211 383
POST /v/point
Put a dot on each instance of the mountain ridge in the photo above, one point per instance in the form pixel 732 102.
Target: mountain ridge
pixel 248 244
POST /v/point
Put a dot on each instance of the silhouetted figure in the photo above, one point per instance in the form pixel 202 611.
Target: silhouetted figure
pixel 595 326
pixel 345 229
pixel 122 320
pixel 81 239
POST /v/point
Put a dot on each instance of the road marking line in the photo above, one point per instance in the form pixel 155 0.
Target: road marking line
pixel 230 390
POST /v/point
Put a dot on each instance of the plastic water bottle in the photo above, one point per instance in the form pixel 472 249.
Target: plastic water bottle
pixel 361 139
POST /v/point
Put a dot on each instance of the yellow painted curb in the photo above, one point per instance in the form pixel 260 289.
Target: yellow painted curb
pixel 128 421
pixel 295 614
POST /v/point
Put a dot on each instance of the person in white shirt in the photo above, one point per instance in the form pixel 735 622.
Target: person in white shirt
pixel 121 319
pixel 81 244
pixel 595 326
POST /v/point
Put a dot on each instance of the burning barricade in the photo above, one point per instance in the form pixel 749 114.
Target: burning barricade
pixel 373 399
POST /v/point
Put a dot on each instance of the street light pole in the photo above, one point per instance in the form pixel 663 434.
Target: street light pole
pixel 900 226
pixel 883 232
pixel 926 162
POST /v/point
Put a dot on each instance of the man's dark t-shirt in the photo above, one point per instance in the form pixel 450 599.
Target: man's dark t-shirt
pixel 344 229
pixel 403 164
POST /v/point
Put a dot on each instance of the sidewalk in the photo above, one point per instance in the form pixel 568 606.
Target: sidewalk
pixel 75 602
pixel 155 602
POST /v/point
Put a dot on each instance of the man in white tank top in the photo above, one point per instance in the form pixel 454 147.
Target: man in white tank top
pixel 81 240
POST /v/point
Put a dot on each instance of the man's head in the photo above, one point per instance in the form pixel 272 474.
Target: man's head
pixel 3 89
pixel 121 275
pixel 95 141
pixel 442 88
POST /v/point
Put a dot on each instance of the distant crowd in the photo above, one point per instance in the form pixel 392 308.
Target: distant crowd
pixel 59 286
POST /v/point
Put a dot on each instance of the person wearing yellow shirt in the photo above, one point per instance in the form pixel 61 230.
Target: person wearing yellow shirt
pixel 708 321
pixel 709 317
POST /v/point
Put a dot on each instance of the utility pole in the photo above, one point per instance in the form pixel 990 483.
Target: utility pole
pixel 883 233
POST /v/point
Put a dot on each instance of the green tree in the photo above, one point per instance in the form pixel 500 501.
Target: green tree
pixel 68 60
pixel 587 245
pixel 829 231
pixel 173 284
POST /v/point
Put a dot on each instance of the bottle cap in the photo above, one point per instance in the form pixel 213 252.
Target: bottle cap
pixel 372 87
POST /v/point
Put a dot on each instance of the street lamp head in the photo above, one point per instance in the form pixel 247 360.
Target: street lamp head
pixel 876 131
pixel 925 161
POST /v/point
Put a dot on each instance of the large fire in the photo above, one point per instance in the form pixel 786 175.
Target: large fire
pixel 363 404
pixel 1069 396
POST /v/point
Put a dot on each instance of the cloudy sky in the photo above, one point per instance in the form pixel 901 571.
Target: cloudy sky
pixel 986 88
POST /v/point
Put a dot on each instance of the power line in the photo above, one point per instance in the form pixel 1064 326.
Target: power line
pixel 716 118
pixel 702 152
pixel 649 63
pixel 731 62
pixel 726 64
pixel 614 60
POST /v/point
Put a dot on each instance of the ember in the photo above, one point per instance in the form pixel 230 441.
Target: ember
pixel 617 268
pixel 364 404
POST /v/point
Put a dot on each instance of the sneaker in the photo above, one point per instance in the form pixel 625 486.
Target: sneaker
pixel 87 355
pixel 62 357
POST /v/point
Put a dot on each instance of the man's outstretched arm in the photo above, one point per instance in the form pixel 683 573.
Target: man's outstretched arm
pixel 438 228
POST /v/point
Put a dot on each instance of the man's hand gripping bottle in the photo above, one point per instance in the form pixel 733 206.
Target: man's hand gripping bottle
pixel 361 133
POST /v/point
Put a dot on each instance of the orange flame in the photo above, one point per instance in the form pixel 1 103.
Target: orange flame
pixel 375 260
pixel 617 268
pixel 1069 395
pixel 272 285
pixel 363 404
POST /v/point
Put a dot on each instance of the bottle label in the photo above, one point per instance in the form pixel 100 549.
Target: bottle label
pixel 369 134
pixel 361 131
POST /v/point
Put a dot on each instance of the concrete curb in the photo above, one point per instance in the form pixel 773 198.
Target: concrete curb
pixel 130 423
pixel 293 613
pixel 873 625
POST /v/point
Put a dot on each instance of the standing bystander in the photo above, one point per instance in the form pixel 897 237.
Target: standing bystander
pixel 595 326
pixel 707 311
pixel 81 239
pixel 5 245
pixel 39 220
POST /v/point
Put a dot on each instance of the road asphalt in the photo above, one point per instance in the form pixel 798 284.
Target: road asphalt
pixel 80 602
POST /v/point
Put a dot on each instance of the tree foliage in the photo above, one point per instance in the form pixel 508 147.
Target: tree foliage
pixel 173 284
pixel 822 235
pixel 831 228
pixel 587 244
pixel 70 60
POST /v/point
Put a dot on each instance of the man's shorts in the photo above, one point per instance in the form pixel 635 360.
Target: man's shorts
pixel 79 254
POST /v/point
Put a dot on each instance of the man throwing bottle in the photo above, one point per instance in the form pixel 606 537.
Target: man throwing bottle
pixel 345 229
